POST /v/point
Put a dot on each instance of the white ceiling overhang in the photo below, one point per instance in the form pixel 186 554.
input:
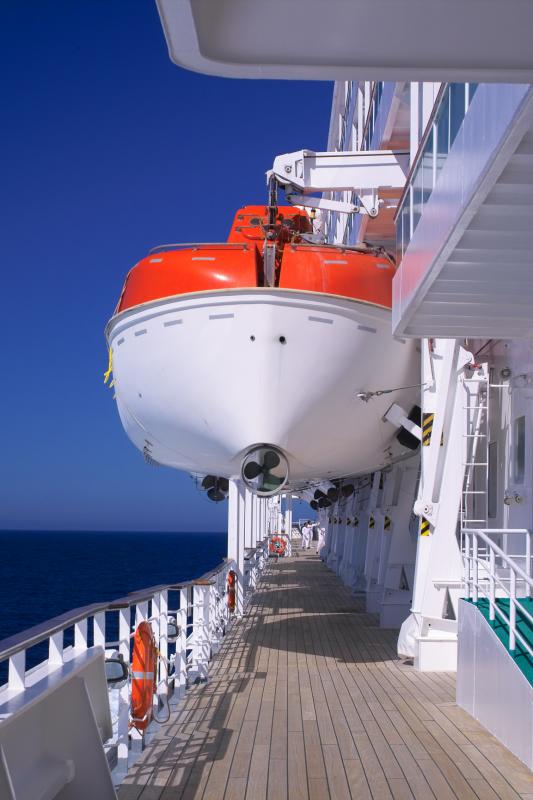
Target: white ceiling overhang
pixel 429 40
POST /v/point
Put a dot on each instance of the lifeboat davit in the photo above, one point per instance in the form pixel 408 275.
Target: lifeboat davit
pixel 266 344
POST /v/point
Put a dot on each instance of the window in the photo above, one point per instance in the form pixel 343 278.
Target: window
pixel 519 449
pixel 492 500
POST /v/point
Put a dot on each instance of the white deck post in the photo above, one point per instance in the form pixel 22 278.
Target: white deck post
pixel 346 572
pixel 400 564
pixel 181 642
pixel 288 516
pixel 99 629
pixel 80 635
pixel 429 635
pixel 236 533
pixel 367 523
pixel 201 649
pixel 123 697
pixel 249 501
pixel 17 672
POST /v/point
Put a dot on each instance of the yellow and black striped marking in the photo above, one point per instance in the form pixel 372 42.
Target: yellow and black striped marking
pixel 388 524
pixel 371 522
pixel 427 428
pixel 424 527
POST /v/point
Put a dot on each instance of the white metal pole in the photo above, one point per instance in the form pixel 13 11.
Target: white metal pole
pixel 492 609
pixel 512 612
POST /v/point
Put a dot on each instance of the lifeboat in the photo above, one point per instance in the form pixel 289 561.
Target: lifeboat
pixel 268 357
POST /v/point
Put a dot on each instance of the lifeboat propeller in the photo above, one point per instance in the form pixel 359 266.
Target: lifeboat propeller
pixel 216 488
pixel 265 470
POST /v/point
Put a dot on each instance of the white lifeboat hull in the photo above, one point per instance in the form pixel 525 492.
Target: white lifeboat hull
pixel 201 378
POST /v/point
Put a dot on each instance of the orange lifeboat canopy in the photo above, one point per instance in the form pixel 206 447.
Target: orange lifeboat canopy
pixel 363 276
pixel 174 270
pixel 200 268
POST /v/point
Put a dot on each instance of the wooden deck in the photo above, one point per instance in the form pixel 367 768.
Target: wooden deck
pixel 307 699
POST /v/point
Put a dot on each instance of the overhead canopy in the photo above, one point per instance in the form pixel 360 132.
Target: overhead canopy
pixel 435 40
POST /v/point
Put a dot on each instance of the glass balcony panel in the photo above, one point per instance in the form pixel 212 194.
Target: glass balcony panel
pixel 443 133
pixel 457 108
pixel 427 169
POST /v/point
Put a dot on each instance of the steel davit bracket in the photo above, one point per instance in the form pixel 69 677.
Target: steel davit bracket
pixel 363 172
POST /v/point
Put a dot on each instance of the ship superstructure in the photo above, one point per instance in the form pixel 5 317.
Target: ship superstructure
pixel 403 416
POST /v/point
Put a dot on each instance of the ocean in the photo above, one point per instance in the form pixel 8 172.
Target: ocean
pixel 44 573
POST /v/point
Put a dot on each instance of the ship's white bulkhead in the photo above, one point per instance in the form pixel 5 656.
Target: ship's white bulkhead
pixel 202 378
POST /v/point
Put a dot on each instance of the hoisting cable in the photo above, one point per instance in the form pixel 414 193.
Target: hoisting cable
pixel 366 396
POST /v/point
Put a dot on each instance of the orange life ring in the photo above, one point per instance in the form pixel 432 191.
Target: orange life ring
pixel 232 589
pixel 144 676
pixel 277 546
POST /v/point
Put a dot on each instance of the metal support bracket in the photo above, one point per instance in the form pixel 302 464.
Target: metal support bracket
pixel 364 172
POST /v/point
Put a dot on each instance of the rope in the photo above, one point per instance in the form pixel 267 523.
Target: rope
pixel 109 371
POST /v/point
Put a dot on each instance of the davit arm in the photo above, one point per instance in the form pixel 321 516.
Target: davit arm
pixel 364 172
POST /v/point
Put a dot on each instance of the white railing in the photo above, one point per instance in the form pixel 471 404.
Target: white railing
pixel 491 573
pixel 254 564
pixel 189 621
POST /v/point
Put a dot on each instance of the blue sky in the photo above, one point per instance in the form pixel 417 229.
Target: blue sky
pixel 107 150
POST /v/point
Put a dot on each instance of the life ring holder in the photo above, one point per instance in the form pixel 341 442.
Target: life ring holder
pixel 143 676
pixel 231 592
pixel 277 546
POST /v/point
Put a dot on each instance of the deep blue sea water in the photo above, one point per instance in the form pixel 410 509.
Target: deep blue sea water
pixel 44 573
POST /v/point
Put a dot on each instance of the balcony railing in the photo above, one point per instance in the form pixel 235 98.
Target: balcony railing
pixel 444 124
pixel 490 573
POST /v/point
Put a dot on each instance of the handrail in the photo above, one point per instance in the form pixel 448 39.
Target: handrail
pixel 474 584
pixel 481 533
pixel 197 245
pixel 44 630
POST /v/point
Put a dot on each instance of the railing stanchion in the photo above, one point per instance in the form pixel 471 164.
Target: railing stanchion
pixel 475 570
pixel 466 563
pixel 99 629
pixel 17 672
pixel 492 598
pixel 55 648
pixel 123 723
pixel 163 642
pixel 80 635
pixel 512 612
pixel 528 562
pixel 181 643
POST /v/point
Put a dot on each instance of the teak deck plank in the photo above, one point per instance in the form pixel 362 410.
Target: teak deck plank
pixel 307 699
